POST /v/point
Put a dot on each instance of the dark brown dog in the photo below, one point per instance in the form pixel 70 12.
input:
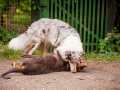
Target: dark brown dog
pixel 41 64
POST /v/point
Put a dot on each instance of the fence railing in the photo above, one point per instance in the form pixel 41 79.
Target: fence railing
pixel 88 17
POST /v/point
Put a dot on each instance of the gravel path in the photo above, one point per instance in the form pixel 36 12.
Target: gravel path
pixel 97 76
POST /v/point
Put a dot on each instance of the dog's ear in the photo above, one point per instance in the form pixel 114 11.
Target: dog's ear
pixel 59 56
pixel 69 55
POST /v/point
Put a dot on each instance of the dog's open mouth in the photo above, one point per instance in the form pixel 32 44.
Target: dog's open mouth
pixel 81 65
pixel 77 65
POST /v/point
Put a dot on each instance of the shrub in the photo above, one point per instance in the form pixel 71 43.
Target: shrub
pixel 7 35
pixel 111 44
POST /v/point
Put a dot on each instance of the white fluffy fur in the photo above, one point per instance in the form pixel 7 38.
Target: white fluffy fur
pixel 73 44
pixel 19 43
pixel 48 32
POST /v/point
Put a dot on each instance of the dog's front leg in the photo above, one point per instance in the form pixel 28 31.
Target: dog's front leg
pixel 30 49
pixel 34 48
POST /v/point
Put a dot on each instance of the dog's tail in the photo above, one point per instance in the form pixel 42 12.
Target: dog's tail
pixel 14 70
pixel 20 42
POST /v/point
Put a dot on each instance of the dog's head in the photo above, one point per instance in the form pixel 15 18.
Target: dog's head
pixel 73 58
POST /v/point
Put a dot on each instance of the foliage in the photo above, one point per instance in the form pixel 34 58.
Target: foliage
pixel 7 35
pixel 109 49
pixel 5 52
pixel 24 6
pixel 21 19
pixel 111 44
pixel 4 3
pixel 35 6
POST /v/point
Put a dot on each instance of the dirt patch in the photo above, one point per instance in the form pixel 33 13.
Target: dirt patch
pixel 97 76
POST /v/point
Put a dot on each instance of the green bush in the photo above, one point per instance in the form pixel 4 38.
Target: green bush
pixel 109 49
pixel 7 35
pixel 111 44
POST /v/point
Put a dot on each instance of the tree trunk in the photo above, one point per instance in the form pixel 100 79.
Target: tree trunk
pixel 1 17
pixel 10 14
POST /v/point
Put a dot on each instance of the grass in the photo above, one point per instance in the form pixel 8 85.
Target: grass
pixel 101 57
pixel 6 53
pixel 10 54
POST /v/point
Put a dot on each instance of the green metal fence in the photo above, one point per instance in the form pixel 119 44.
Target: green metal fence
pixel 88 17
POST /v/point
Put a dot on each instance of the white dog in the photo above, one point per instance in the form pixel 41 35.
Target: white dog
pixel 50 32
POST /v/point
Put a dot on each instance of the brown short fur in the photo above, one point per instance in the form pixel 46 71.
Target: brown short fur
pixel 40 65
pixel 35 65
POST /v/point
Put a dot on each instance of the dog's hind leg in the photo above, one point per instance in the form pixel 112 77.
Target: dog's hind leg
pixel 21 66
